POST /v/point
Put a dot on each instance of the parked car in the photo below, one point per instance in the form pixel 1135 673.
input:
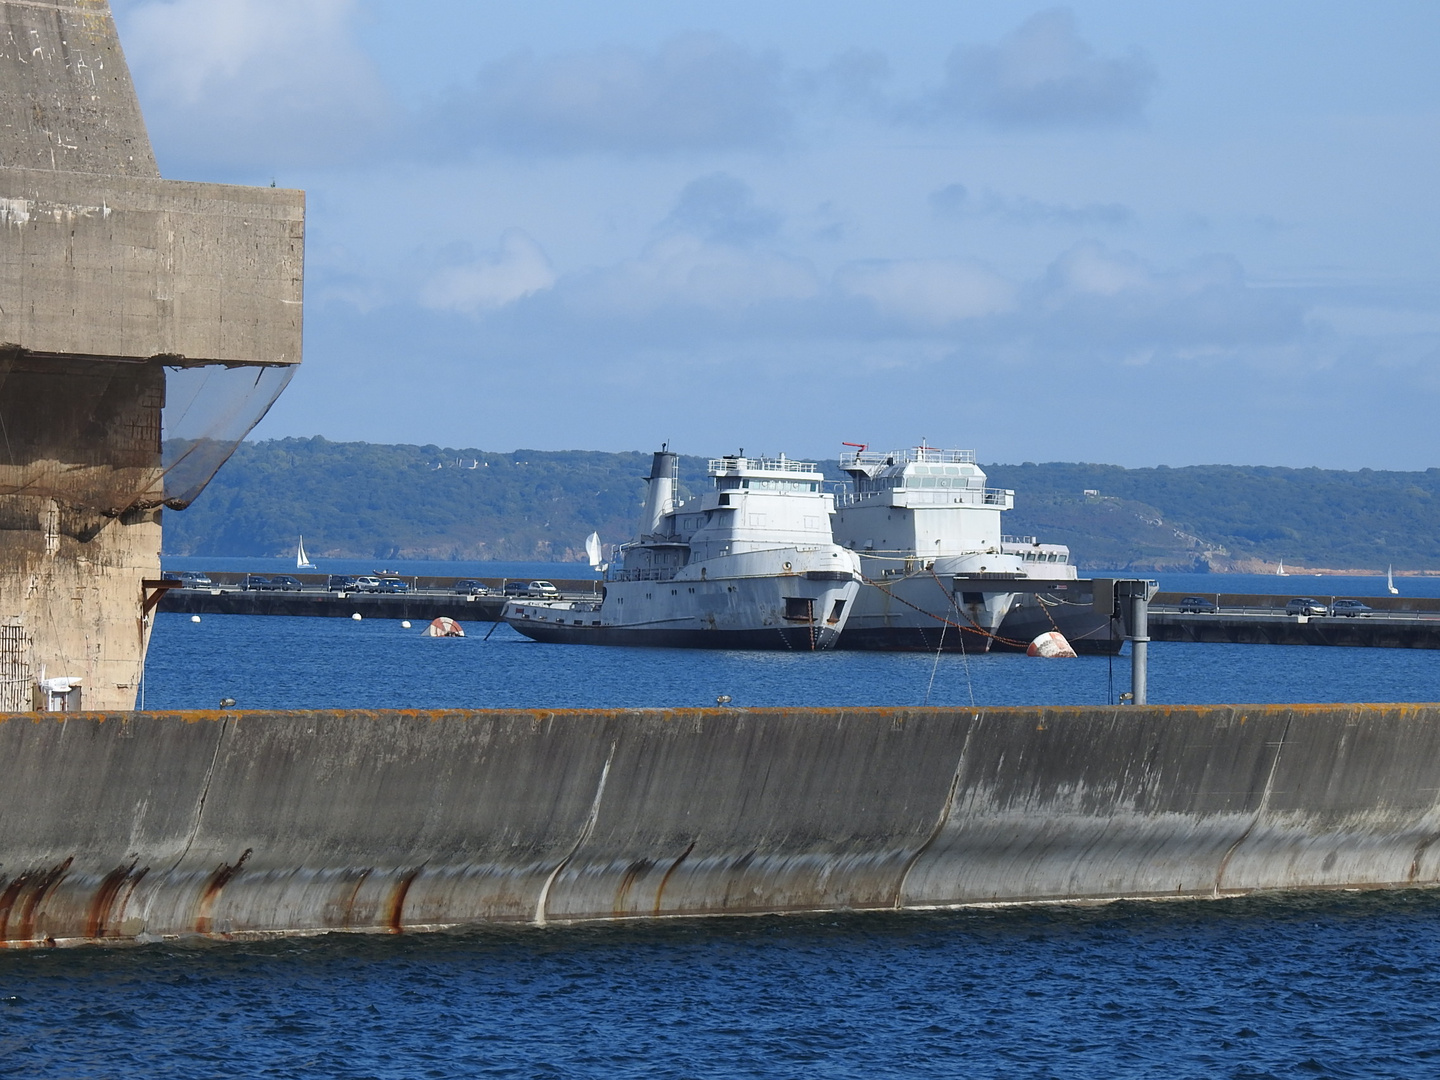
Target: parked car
pixel 468 587
pixel 255 582
pixel 285 583
pixel 191 579
pixel 541 588
pixel 515 588
pixel 368 584
pixel 1350 608
pixel 341 583
pixel 1197 605
pixel 1306 605
pixel 394 585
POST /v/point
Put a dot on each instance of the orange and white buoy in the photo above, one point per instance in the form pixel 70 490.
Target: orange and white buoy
pixel 1050 645
pixel 444 626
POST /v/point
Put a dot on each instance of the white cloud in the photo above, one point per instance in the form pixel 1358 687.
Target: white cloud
pixel 518 269
pixel 1095 298
pixel 686 272
pixel 254 84
pixel 929 292
pixel 1042 74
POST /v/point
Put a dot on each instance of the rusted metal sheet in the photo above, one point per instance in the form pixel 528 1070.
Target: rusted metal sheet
pixel 122 827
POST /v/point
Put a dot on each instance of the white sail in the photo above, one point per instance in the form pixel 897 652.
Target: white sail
pixel 593 552
pixel 302 561
pixel 1280 570
pixel 1390 581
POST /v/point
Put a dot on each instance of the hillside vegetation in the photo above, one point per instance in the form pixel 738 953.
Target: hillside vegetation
pixel 429 502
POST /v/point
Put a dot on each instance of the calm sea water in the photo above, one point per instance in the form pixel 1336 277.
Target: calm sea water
pixel 277 662
pixel 1335 985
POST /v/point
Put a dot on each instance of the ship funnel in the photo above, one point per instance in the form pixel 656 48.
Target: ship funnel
pixel 660 498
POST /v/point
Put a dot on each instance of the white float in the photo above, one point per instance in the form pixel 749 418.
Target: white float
pixel 1050 646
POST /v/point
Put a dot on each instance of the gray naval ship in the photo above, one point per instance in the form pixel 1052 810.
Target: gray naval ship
pixel 939 573
pixel 750 564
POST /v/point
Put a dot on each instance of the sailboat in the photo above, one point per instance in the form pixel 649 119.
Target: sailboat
pixel 594 553
pixel 1280 570
pixel 1390 581
pixel 302 561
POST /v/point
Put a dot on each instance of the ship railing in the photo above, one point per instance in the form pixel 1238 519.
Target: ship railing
pixel 725 466
pixel 929 455
pixel 933 496
pixel 1028 541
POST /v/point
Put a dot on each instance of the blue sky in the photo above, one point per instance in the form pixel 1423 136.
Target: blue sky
pixel 1115 231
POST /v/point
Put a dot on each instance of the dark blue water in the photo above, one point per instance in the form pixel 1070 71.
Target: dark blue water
pixel 1311 986
pixel 280 662
pixel 1334 985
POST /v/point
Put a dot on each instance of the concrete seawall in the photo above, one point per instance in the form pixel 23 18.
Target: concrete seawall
pixel 136 825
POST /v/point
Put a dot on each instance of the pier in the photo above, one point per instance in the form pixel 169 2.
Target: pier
pixel 423 598
pixel 1395 622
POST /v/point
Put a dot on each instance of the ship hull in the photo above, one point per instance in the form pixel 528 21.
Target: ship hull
pixel 1089 633
pixel 797 611
pixel 781 639
pixel 924 612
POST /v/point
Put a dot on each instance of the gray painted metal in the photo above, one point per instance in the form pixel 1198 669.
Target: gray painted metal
pixel 127 826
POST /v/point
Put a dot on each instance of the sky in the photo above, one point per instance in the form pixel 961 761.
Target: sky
pixel 1115 231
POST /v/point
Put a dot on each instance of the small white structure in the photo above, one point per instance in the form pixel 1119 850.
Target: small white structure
pixel 1051 646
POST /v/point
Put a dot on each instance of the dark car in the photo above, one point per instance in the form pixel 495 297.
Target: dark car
pixel 341 583
pixel 393 585
pixel 191 579
pixel 1197 605
pixel 1306 605
pixel 256 582
pixel 516 588
pixel 285 583
pixel 1350 608
pixel 467 587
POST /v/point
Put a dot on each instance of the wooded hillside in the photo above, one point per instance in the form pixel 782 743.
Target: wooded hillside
pixel 372 500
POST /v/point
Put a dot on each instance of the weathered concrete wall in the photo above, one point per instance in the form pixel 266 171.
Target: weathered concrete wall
pixel 83 436
pixel 115 826
pixel 133 267
pixel 67 100
pixel 107 273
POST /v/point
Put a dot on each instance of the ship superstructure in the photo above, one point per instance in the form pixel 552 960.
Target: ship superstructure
pixel 749 564
pixel 938 571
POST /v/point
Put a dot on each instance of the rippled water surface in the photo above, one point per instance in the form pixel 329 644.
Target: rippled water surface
pixel 1316 986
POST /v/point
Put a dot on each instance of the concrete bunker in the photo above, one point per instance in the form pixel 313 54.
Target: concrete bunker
pixel 146 325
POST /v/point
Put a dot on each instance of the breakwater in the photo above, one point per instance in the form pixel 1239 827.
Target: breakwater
pixel 1390 622
pixel 129 826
